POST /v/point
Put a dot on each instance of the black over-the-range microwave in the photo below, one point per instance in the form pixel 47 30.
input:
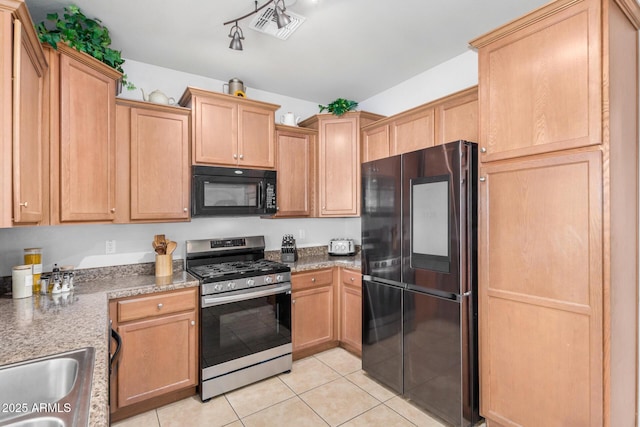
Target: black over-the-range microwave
pixel 218 191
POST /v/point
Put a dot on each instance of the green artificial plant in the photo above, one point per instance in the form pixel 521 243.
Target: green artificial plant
pixel 339 106
pixel 83 34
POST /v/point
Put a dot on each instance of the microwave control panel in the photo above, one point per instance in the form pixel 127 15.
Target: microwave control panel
pixel 271 196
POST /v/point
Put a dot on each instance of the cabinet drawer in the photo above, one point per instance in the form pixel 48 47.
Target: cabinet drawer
pixel 312 279
pixel 350 277
pixel 156 305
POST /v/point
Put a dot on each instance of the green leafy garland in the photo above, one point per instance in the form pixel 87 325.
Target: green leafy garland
pixel 83 34
pixel 339 106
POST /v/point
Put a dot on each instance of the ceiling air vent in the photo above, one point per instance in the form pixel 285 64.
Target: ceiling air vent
pixel 265 22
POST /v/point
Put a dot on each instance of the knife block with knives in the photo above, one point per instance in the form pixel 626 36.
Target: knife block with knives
pixel 164 255
pixel 288 251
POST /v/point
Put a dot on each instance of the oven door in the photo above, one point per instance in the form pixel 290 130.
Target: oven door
pixel 241 329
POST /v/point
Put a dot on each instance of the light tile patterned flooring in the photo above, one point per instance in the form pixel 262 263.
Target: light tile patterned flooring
pixel 327 389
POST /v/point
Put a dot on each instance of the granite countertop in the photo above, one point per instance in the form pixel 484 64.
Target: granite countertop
pixel 44 325
pixel 316 257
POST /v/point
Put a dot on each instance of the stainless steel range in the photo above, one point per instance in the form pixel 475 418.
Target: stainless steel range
pixel 245 316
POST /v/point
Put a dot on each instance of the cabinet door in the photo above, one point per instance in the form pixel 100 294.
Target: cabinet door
pixel 295 169
pixel 312 317
pixel 540 86
pixel 457 119
pixel 158 357
pixel 413 132
pixel 159 165
pixel 87 143
pixel 540 290
pixel 375 143
pixel 256 133
pixel 27 131
pixel 215 131
pixel 339 158
pixel 351 310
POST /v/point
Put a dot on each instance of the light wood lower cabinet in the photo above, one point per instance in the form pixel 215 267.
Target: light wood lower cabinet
pixel 313 314
pixel 159 356
pixel 351 310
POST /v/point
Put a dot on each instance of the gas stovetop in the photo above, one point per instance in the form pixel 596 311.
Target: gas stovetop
pixel 237 269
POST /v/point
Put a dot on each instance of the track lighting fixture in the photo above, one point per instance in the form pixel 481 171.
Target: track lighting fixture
pixel 281 18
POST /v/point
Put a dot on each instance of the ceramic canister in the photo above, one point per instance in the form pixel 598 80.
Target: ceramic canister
pixel 21 281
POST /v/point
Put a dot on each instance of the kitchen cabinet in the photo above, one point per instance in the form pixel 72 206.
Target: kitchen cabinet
pixel 296 167
pixel 313 322
pixel 159 356
pixel 81 128
pixel 23 175
pixel 451 118
pixel 339 161
pixel 153 163
pixel 558 216
pixel 231 131
pixel 350 315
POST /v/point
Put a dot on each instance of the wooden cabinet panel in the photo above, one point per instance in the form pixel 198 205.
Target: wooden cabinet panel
pixel 540 87
pixel 375 143
pixel 231 131
pixel 160 171
pixel 158 357
pixel 87 138
pixel 457 118
pixel 541 272
pixel 6 118
pixel 28 185
pixel 413 132
pixel 296 171
pixel 351 310
pixel 156 305
pixel 256 130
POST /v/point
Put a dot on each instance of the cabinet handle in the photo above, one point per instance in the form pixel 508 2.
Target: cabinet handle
pixel 113 210
pixel 313 279
pixel 482 179
pixel 483 150
pixel 235 156
pixel 159 306
pixel 293 301
pixel 352 279
pixel 186 209
pixel 24 204
pixel 241 156
pixel 193 323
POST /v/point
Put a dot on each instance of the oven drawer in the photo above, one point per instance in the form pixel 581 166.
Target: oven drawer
pixel 157 304
pixel 312 279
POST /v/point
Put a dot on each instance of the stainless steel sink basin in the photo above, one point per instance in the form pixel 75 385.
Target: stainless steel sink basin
pixel 51 391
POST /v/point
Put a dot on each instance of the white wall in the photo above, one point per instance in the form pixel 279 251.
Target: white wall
pixel 84 245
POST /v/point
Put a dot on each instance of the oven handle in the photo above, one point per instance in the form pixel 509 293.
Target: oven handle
pixel 225 299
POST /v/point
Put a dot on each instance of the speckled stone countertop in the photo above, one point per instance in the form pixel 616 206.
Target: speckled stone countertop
pixel 317 257
pixel 43 325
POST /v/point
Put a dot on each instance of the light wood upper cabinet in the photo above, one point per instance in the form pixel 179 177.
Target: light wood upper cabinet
pixel 546 79
pixel 447 119
pixel 558 218
pixel 296 148
pixel 231 131
pixel 23 154
pixel 82 133
pixel 412 132
pixel 153 162
pixel 339 161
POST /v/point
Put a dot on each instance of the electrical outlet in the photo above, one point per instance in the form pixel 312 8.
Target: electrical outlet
pixel 110 247
pixel 301 233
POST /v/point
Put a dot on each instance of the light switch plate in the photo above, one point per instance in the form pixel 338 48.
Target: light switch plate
pixel 110 247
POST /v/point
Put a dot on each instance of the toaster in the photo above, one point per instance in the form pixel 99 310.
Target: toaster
pixel 341 247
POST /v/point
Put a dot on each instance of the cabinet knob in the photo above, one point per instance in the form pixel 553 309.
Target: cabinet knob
pixel 24 204
pixel 352 279
pixel 293 301
pixel 186 209
pixel 235 156
pixel 482 179
pixel 159 306
pixel 313 279
pixel 483 150
pixel 241 156
pixel 193 323
pixel 113 210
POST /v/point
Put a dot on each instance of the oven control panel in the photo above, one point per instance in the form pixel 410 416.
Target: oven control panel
pixel 243 283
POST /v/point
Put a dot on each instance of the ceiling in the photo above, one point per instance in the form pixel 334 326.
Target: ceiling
pixel 346 48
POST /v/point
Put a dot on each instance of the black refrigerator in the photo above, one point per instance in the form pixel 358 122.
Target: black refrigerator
pixel 419 256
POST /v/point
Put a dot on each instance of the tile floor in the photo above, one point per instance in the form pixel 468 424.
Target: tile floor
pixel 327 389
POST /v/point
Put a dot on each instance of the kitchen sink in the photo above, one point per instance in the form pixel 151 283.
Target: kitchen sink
pixel 50 391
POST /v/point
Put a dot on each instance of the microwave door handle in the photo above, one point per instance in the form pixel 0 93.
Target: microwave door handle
pixel 260 195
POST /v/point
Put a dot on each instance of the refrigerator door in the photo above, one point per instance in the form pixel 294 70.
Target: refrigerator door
pixel 439 359
pixel 381 219
pixel 382 333
pixel 435 184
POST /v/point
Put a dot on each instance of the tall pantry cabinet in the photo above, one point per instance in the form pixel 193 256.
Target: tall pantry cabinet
pixel 558 220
